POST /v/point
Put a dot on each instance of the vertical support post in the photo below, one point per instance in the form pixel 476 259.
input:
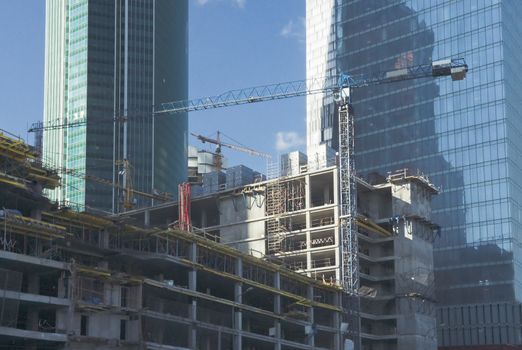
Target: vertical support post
pixel 192 331
pixel 308 201
pixel 193 307
pixel 33 287
pixel 146 218
pixel 237 314
pixel 311 317
pixel 71 285
pixel 339 336
pixel 277 310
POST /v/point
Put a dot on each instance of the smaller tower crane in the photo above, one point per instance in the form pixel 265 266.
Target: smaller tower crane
pixel 218 159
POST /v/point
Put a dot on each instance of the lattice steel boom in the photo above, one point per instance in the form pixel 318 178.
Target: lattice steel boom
pixel 457 68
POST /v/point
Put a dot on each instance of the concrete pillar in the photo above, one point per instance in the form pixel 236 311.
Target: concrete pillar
pixel 308 199
pixel 193 275
pixel 277 311
pixel 62 286
pixel 311 336
pixel 237 315
pixel 193 331
pixel 238 327
pixel 146 218
pixel 193 272
pixel 33 287
pixel 104 239
pixel 338 339
pixel 203 218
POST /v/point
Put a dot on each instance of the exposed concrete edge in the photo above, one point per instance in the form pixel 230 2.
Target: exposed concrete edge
pixel 27 259
pixel 35 335
pixel 33 298
pixel 156 346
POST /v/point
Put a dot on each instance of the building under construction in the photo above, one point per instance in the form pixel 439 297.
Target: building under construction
pixel 293 219
pixel 71 280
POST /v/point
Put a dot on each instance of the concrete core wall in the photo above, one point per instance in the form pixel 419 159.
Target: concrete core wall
pixel 244 227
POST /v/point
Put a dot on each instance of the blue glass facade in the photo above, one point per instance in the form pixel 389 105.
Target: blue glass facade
pixel 466 136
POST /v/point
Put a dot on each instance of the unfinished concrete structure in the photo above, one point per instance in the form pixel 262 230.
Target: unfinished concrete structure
pixel 72 280
pixel 294 219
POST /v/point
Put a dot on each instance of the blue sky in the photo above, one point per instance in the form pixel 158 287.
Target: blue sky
pixel 232 44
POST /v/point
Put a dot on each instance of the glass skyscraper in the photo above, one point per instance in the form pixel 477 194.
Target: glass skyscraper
pixel 466 136
pixel 108 63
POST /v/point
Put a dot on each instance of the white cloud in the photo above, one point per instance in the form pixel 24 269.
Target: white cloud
pixel 288 140
pixel 287 29
pixel 295 29
pixel 240 3
pixel 201 2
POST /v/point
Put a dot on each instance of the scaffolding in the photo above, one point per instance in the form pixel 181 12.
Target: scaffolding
pixel 275 207
pixel 20 161
pixel 294 195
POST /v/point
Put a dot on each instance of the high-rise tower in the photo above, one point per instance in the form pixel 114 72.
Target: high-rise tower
pixel 465 136
pixel 109 63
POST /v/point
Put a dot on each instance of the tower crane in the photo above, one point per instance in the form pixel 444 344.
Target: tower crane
pixel 340 86
pixel 218 159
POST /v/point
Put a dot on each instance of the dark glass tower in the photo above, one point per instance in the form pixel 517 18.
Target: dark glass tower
pixel 114 60
pixel 466 136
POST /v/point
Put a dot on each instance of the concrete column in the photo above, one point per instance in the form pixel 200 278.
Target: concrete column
pixel 192 331
pixel 146 218
pixel 104 239
pixel 203 218
pixel 62 285
pixel 338 339
pixel 277 311
pixel 311 336
pixel 193 274
pixel 308 199
pixel 33 287
pixel 238 339
pixel 237 315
